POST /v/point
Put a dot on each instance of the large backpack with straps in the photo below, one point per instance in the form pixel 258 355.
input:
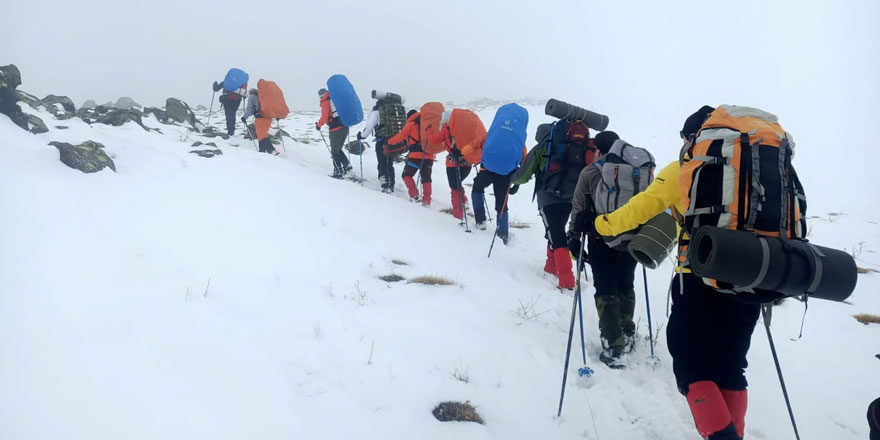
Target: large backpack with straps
pixel 392 116
pixel 502 151
pixel 568 149
pixel 469 134
pixel 737 174
pixel 272 103
pixel 626 171
pixel 345 100
pixel 429 116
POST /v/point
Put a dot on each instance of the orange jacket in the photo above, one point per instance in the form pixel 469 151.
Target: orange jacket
pixel 411 133
pixel 328 116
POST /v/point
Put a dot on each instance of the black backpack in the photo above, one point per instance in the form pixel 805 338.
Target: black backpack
pixel 392 116
pixel 565 159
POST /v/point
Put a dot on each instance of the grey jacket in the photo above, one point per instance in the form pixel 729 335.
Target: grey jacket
pixel 588 181
pixel 252 108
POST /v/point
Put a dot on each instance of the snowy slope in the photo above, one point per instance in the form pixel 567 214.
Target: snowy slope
pixel 238 297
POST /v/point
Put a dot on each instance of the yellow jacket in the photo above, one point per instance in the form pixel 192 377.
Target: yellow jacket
pixel 661 194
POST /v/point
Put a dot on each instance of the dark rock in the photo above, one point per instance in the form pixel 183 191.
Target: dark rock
pixel 207 153
pixel 207 144
pixel 125 103
pixel 110 116
pixel 180 112
pixel 65 102
pixel 61 127
pixel 29 99
pixel 108 104
pixel 212 132
pixel 10 78
pixel 36 125
pixel 88 157
pixel 201 108
pixel 160 115
pixel 89 104
pixel 196 144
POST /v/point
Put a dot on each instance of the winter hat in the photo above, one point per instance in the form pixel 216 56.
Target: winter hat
pixel 444 118
pixel 605 140
pixel 693 123
pixel 410 113
pixel 322 91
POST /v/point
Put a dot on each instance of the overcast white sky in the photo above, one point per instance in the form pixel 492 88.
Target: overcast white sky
pixel 611 54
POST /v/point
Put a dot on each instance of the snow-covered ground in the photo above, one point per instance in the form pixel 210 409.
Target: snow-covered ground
pixel 238 297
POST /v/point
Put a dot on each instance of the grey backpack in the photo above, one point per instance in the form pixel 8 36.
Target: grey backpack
pixel 626 171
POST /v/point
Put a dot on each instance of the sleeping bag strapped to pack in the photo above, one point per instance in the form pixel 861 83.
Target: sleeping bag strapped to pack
pixel 235 79
pixel 272 103
pixel 392 115
pixel 346 100
pixel 469 134
pixel 626 171
pixel 430 116
pixel 502 151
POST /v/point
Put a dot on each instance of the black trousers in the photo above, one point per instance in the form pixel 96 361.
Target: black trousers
pixel 500 184
pixel 385 164
pixel 709 334
pixel 230 106
pixel 424 167
pixel 555 217
pixel 454 173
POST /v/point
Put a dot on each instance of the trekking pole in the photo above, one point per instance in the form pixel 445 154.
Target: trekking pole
pixel 767 314
pixel 485 201
pixel 653 358
pixel 280 134
pixel 461 198
pixel 361 148
pixel 211 108
pixel 584 371
pixel 252 134
pixel 325 140
pixel 500 214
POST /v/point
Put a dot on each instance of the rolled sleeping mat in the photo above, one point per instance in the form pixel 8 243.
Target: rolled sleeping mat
pixel 354 147
pixel 378 94
pixel 568 112
pixel 790 267
pixel 654 241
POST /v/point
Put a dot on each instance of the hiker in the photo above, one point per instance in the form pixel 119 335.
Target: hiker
pixel 261 124
pixel 388 108
pixel 463 135
pixel 416 160
pixel 612 266
pixel 503 152
pixel 874 419
pixel 571 150
pixel 709 332
pixel 230 101
pixel 338 134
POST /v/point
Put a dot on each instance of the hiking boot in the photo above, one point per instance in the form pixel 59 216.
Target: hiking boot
pixel 611 357
pixel 276 152
pixel 502 234
pixel 348 168
pixel 481 226
pixel 629 343
pixel 415 198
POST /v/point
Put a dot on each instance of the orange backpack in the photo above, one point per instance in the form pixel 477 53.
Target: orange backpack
pixel 469 134
pixel 430 116
pixel 272 104
pixel 737 174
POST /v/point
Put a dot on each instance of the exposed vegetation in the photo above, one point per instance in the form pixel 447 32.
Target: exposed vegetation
pixel 457 412
pixel 432 280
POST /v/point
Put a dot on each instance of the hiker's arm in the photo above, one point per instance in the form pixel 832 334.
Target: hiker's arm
pixel 528 167
pixel 400 137
pixel 371 124
pixel 325 113
pixel 660 195
pixel 582 200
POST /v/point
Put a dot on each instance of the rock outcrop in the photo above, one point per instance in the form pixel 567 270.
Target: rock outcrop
pixel 88 157
pixel 10 79
pixel 126 103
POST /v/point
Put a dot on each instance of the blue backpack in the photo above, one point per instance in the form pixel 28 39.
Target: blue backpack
pixel 505 140
pixel 345 99
pixel 235 79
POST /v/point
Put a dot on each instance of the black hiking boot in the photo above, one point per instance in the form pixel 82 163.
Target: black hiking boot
pixel 611 357
pixel 503 236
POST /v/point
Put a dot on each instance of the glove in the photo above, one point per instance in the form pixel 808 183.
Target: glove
pixel 317 127
pixel 584 221
pixel 455 152
pixel 575 247
pixel 244 119
pixel 217 86
pixel 513 189
pixel 360 136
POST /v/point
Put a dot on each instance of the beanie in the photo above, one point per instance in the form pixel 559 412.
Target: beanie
pixel 322 91
pixel 605 140
pixel 693 123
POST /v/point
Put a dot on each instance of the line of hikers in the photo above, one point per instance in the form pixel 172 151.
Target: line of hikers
pixel 594 194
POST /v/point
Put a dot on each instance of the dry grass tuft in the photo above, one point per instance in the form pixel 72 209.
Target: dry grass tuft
pixel 864 270
pixel 432 280
pixel 399 262
pixel 446 210
pixel 457 412
pixel 392 278
pixel 520 225
pixel 867 318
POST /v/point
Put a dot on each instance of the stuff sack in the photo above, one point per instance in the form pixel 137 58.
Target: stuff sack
pixel 345 100
pixel 272 103
pixel 502 151
pixel 468 134
pixel 235 80
pixel 430 115
pixel 626 171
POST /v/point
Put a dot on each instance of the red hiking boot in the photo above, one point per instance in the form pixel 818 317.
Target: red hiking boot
pixel 550 264
pixel 426 194
pixel 563 268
